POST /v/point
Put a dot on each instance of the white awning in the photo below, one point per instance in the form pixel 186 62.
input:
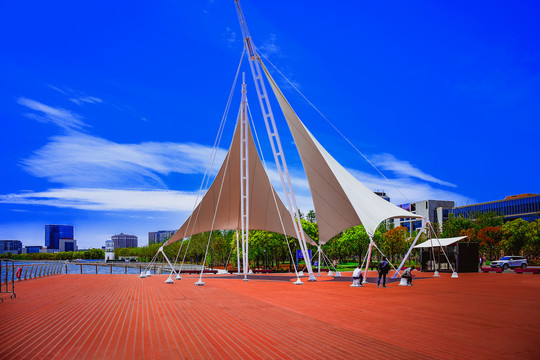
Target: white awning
pixel 439 242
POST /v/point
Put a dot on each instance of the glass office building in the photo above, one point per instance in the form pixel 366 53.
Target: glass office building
pixel 10 246
pixel 53 234
pixel 525 206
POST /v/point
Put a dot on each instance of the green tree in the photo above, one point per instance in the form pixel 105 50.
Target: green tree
pixel 514 234
pixel 311 217
pixel 355 242
pixel 453 226
pixel 532 239
pixel 489 240
pixel 395 242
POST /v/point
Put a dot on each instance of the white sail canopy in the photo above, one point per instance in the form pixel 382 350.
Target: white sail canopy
pixel 222 199
pixel 340 200
pixel 440 242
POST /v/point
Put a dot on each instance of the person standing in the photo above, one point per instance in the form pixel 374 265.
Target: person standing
pixel 407 274
pixel 382 269
pixel 357 276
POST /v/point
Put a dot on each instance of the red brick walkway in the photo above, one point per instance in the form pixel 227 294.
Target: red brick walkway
pixel 477 316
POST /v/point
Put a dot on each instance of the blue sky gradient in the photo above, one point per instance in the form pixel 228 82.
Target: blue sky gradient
pixel 109 110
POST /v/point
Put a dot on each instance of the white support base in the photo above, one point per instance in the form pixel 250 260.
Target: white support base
pixel 199 283
pixel 454 274
pixel 312 277
pixel 436 274
pixel 318 275
pixel 148 273
pixel 298 282
pixel 169 280
pixel 403 282
pixel 250 271
pixel 356 283
pixel 301 274
pixel 330 273
pixel 143 275
pixel 177 277
pixel 365 281
pixel 338 274
pixel 245 279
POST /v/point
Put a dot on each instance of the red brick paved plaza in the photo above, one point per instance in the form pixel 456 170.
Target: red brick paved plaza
pixel 480 316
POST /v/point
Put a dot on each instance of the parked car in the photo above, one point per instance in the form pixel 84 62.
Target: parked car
pixel 510 262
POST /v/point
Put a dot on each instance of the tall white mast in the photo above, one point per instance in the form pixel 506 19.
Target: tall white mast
pixel 244 178
pixel 273 136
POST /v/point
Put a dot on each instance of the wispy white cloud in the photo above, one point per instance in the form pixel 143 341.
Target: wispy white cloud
pixel 404 190
pixel 48 114
pixel 270 46
pixel 404 168
pixel 229 37
pixel 81 160
pixel 77 97
pixel 85 99
pixel 107 199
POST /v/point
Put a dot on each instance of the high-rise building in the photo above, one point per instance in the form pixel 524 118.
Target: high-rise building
pixel 156 237
pixel 10 246
pixel 53 234
pixel 124 241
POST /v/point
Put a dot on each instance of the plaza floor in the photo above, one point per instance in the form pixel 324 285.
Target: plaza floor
pixel 480 316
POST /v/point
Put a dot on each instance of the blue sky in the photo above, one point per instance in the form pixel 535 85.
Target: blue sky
pixel 109 110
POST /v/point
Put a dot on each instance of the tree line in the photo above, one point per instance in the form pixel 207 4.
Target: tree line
pixel 275 251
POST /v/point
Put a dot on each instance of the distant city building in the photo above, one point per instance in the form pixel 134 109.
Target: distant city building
pixel 67 245
pixel 109 250
pixel 156 237
pixel 32 249
pixel 524 206
pixel 10 246
pixel 109 246
pixel 382 194
pixel 53 234
pixel 436 211
pixel 124 241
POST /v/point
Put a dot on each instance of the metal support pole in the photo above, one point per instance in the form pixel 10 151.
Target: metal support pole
pixel 424 223
pixel 319 261
pixel 368 259
pixel 237 254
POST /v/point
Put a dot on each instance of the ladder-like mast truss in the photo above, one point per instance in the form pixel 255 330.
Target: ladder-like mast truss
pixel 273 136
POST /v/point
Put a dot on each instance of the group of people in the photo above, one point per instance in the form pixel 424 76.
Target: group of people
pixel 382 270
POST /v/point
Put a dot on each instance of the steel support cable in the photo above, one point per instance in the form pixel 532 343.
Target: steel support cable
pixel 214 218
pixel 211 161
pixel 335 128
pixel 444 252
pixel 197 216
pixel 273 192
pixel 364 261
pixel 329 262
pixel 384 255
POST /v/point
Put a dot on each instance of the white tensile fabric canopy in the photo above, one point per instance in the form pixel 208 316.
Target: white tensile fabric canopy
pixel 340 200
pixel 439 242
pixel 263 213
